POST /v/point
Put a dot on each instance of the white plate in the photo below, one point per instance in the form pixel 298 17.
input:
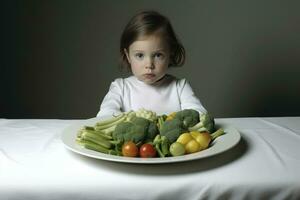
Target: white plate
pixel 221 144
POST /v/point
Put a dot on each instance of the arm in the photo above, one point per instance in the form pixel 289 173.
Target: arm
pixel 112 102
pixel 188 99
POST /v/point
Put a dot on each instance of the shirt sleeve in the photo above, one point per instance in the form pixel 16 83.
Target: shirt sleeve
pixel 112 102
pixel 188 99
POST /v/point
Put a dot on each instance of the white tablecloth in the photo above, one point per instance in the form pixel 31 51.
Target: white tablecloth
pixel 34 164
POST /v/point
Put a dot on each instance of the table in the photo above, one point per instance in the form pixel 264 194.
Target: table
pixel 34 164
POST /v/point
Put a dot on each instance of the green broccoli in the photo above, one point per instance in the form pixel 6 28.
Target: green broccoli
pixel 189 117
pixel 152 132
pixel 172 129
pixel 207 123
pixel 162 145
pixel 137 130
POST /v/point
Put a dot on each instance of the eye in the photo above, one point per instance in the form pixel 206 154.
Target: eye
pixel 159 55
pixel 139 55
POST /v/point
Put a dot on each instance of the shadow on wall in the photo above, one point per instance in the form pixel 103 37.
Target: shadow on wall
pixel 272 78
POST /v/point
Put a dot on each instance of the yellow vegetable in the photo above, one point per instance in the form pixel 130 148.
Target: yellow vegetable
pixel 189 143
pixel 171 116
pixel 195 134
pixel 192 146
pixel 194 141
pixel 184 138
pixel 203 138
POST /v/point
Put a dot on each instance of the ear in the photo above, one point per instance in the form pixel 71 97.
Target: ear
pixel 127 55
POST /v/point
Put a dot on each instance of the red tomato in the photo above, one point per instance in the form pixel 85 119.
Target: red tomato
pixel 130 149
pixel 147 151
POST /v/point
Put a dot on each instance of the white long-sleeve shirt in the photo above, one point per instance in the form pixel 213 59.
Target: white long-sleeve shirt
pixel 163 97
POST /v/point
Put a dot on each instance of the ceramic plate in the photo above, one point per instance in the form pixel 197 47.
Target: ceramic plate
pixel 221 144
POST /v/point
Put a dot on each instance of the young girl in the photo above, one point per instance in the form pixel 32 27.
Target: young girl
pixel 148 48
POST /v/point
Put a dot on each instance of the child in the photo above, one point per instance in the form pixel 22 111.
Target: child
pixel 148 48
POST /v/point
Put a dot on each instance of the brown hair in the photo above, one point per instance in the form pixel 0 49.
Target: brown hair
pixel 146 23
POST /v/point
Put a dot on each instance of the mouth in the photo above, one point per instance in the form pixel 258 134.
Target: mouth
pixel 149 76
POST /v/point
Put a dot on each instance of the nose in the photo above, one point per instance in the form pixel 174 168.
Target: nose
pixel 149 64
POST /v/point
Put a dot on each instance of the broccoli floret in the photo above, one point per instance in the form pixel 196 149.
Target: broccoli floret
pixel 137 130
pixel 189 117
pixel 127 131
pixel 149 127
pixel 172 129
pixel 152 132
pixel 142 123
pixel 205 119
pixel 207 123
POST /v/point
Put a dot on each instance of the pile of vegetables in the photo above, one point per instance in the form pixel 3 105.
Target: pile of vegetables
pixel 143 133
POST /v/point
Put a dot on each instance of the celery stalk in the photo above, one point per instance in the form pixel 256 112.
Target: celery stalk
pixel 102 127
pixel 91 128
pixel 96 139
pixel 217 133
pixel 107 131
pixel 110 120
pixel 100 134
pixel 92 146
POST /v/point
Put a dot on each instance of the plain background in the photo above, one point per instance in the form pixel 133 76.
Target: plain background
pixel 59 57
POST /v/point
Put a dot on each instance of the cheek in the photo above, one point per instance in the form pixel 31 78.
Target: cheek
pixel 134 61
pixel 135 67
pixel 162 64
pixel 135 64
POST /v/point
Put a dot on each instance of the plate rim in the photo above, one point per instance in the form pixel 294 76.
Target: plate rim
pixel 68 136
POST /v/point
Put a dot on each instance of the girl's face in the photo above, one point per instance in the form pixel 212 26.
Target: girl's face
pixel 149 58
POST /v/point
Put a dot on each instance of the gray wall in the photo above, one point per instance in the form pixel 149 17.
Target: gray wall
pixel 59 57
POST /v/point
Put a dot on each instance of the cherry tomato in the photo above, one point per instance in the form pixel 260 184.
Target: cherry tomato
pixel 130 149
pixel 147 151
